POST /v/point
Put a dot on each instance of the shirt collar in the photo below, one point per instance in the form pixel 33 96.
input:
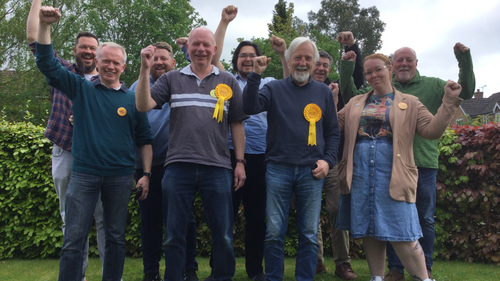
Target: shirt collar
pixel 188 71
pixel 97 82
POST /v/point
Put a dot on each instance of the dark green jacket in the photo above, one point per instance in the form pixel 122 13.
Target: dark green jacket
pixel 430 91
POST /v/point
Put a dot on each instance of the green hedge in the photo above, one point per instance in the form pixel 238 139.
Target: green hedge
pixel 467 216
pixel 468 208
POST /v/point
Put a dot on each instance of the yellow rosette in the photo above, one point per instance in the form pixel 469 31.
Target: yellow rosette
pixel 223 92
pixel 312 113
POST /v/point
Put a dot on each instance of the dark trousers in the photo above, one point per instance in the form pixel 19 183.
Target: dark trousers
pixel 152 225
pixel 253 196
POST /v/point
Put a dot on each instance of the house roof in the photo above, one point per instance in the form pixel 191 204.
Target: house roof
pixel 474 107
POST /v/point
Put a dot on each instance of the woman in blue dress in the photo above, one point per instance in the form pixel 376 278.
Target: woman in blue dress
pixel 377 173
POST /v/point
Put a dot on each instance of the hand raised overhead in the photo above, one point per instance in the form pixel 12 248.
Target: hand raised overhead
pixel 49 15
pixel 346 37
pixel 260 64
pixel 278 44
pixel 460 47
pixel 229 13
pixel 181 42
pixel 147 55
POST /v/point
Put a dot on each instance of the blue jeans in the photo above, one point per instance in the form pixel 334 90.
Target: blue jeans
pixel 61 174
pixel 426 207
pixel 152 225
pixel 179 190
pixel 81 199
pixel 282 180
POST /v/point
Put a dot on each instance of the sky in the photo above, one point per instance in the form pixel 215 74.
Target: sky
pixel 430 27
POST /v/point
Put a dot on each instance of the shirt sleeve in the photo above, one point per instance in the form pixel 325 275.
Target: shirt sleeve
pixel 466 77
pixel 57 75
pixel 255 101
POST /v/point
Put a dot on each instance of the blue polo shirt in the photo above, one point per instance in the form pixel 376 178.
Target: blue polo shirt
pixel 255 126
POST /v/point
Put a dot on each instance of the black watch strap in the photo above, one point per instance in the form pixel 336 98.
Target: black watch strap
pixel 147 175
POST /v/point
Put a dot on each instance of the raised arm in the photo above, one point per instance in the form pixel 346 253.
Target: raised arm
pixel 33 21
pixel 347 38
pixel 143 99
pixel 47 16
pixel 228 14
pixel 253 102
pixel 433 126
pixel 466 76
pixel 279 46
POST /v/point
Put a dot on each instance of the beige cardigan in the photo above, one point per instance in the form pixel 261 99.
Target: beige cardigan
pixel 407 116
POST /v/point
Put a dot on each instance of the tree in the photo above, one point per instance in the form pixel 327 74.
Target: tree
pixel 139 23
pixel 131 23
pixel 281 24
pixel 336 16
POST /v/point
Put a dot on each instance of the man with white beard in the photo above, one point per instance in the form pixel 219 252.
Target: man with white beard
pixel 301 146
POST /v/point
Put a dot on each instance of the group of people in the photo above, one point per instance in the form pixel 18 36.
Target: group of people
pixel 245 139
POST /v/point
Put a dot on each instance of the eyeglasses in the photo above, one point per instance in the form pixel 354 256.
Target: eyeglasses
pixel 377 71
pixel 245 55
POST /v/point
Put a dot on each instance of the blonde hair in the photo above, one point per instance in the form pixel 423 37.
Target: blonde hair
pixel 112 45
pixel 383 58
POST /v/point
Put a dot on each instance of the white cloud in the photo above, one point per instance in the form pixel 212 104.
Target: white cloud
pixel 430 27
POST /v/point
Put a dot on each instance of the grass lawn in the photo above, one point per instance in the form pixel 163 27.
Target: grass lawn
pixel 45 270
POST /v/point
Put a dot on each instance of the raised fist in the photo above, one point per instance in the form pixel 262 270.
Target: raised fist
pixel 349 56
pixel 49 15
pixel 460 47
pixel 346 37
pixel 334 87
pixel 260 64
pixel 278 44
pixel 147 55
pixel 229 13
pixel 181 42
pixel 452 88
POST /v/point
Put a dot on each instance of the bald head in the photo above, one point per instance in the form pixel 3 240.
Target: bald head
pixel 405 64
pixel 201 48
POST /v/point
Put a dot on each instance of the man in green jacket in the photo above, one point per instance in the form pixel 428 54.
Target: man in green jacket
pixel 430 91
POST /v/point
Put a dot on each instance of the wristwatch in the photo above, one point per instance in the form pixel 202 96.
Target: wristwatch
pixel 243 161
pixel 147 175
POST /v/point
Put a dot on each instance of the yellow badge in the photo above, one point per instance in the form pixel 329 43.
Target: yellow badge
pixel 212 94
pixel 121 111
pixel 402 105
pixel 223 92
pixel 312 113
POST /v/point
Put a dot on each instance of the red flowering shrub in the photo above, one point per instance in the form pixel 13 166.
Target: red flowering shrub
pixel 468 208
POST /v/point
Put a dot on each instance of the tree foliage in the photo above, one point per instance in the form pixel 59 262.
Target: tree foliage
pixel 131 23
pixel 336 16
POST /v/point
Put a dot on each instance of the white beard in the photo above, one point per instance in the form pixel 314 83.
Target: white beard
pixel 301 76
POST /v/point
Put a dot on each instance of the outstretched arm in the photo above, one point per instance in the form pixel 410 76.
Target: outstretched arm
pixel 347 38
pixel 228 14
pixel 279 46
pixel 33 21
pixel 143 99
pixel 48 16
pixel 466 77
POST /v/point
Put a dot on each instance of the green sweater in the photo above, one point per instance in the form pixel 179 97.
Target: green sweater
pixel 103 136
pixel 430 91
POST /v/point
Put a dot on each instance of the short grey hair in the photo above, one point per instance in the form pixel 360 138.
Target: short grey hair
pixel 112 45
pixel 324 54
pixel 296 43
